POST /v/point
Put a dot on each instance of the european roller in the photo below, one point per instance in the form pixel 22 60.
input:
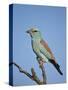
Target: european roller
pixel 42 50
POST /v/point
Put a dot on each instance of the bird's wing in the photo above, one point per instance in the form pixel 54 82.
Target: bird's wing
pixel 52 59
pixel 45 45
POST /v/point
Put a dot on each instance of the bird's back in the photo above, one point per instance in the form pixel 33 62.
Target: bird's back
pixel 45 46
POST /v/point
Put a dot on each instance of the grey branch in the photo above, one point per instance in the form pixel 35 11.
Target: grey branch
pixel 32 76
pixel 43 74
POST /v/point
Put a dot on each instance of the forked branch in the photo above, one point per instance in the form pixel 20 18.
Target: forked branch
pixel 33 75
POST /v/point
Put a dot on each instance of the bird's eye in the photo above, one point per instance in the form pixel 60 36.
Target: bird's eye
pixel 35 31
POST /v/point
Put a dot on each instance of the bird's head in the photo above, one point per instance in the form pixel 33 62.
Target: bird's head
pixel 34 33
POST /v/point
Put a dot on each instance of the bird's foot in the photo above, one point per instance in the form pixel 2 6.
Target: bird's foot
pixel 41 63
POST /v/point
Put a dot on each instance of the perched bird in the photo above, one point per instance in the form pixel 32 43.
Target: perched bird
pixel 41 49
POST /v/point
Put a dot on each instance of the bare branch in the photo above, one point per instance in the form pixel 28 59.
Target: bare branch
pixel 41 65
pixel 43 74
pixel 33 76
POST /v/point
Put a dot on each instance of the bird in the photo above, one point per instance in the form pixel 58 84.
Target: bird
pixel 41 49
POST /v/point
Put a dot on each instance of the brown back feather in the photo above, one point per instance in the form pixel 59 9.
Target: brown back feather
pixel 47 48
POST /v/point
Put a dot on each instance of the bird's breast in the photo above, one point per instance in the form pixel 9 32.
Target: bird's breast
pixel 35 45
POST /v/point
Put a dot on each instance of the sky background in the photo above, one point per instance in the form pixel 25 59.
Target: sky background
pixel 51 21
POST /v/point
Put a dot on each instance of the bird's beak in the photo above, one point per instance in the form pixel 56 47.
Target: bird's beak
pixel 27 31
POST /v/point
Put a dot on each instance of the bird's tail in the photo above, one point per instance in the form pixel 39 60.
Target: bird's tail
pixel 56 66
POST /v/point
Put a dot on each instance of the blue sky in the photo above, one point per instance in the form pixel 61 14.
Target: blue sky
pixel 51 21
